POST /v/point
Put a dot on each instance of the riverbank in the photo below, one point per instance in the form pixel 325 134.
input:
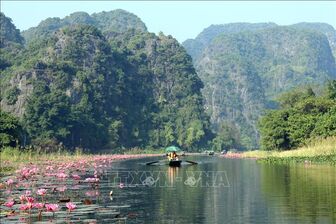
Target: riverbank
pixel 13 158
pixel 318 151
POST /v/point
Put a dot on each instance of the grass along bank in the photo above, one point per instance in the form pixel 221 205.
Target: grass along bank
pixel 12 158
pixel 318 151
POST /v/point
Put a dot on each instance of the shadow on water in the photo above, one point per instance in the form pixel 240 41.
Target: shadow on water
pixel 302 193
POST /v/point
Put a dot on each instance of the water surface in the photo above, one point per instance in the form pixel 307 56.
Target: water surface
pixel 256 193
pixel 217 190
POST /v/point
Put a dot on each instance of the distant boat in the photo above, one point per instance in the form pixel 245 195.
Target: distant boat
pixel 210 153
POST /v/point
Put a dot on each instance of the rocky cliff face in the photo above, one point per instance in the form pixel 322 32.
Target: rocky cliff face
pixel 233 95
pixel 104 80
pixel 21 88
pixel 11 44
pixel 8 32
pixel 323 28
pixel 196 46
pixel 51 42
pixel 246 68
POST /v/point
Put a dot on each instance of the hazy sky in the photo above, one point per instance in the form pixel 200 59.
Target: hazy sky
pixel 181 19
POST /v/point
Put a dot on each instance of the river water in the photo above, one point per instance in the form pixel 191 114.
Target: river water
pixel 219 190
pixel 216 190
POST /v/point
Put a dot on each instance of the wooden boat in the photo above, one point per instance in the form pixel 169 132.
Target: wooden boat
pixel 175 163
pixel 211 153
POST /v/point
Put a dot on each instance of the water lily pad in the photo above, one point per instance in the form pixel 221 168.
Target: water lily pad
pixel 89 221
pixel 118 206
pixel 107 213
pixel 63 200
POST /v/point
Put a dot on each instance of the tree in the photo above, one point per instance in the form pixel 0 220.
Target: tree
pixel 326 124
pixel 195 133
pixel 331 90
pixel 48 114
pixel 291 98
pixel 10 130
pixel 273 131
pixel 226 138
pixel 169 135
pixel 301 117
pixel 300 127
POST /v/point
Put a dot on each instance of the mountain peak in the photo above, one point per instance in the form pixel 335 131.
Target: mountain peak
pixel 8 31
pixel 113 21
pixel 118 20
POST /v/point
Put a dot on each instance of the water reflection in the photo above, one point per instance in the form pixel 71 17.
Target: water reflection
pixel 172 173
pixel 257 193
pixel 301 193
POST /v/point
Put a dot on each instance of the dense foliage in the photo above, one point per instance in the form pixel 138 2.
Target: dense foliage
pixel 10 41
pixel 227 138
pixel 117 21
pixel 10 130
pixel 244 67
pixel 103 80
pixel 302 115
pixel 8 32
pixel 77 86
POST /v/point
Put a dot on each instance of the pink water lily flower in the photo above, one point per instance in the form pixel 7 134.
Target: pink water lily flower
pixel 92 193
pixel 71 206
pixel 30 199
pixel 61 189
pixel 76 177
pixel 49 168
pixel 62 175
pixel 9 204
pixel 51 207
pixel 28 172
pixel 22 198
pixel 9 181
pixel 42 191
pixel 23 207
pixel 27 206
pixel 38 205
pixel 92 180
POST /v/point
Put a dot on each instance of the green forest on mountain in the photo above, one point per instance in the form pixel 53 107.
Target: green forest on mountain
pixel 121 89
pixel 102 81
pixel 245 67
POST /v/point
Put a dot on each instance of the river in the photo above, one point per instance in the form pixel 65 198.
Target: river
pixel 227 191
pixel 216 190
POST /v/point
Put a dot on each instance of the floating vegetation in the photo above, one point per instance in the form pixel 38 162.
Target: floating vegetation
pixel 61 191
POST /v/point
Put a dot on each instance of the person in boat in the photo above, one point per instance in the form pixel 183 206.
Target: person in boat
pixel 170 156
pixel 175 156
